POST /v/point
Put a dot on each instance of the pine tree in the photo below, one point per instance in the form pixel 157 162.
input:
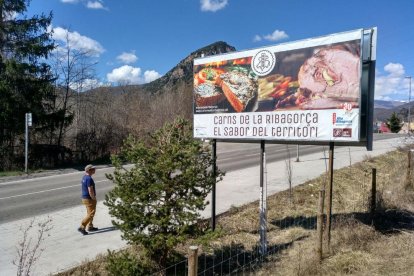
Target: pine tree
pixel 25 78
pixel 394 123
pixel 157 201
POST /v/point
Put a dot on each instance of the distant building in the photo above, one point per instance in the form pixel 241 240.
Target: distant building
pixel 383 128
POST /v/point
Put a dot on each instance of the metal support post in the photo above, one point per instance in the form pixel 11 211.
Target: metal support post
pixel 28 122
pixel 263 200
pixel 297 153
pixel 213 191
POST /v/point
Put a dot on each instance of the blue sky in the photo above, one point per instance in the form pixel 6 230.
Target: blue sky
pixel 136 41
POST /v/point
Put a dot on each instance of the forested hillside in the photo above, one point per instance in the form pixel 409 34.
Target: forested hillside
pixel 74 122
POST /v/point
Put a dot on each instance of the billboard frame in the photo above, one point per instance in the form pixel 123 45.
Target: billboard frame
pixel 366 96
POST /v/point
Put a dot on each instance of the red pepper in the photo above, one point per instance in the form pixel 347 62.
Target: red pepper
pixel 284 84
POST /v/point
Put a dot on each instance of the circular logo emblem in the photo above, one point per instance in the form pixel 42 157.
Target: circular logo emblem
pixel 263 62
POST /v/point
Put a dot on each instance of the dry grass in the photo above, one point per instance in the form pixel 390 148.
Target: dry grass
pixel 361 244
pixel 90 268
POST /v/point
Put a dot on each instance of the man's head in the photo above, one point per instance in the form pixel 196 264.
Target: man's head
pixel 90 169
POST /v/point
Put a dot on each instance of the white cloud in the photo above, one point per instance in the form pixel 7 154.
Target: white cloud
pixel 151 75
pixel 95 5
pixel 393 84
pixel 275 36
pixel 86 84
pixel 213 5
pixel 125 73
pixel 131 75
pixel 127 58
pixel 78 42
pixel 91 83
pixel 395 69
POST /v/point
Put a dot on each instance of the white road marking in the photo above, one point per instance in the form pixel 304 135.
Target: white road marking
pixel 50 190
pixel 47 177
pixel 254 154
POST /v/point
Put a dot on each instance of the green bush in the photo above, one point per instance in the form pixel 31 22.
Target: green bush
pixel 157 202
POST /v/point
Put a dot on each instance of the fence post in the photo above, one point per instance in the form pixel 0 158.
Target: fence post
pixel 408 176
pixel 193 261
pixel 330 195
pixel 373 204
pixel 319 223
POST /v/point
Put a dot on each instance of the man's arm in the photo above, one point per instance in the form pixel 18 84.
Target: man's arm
pixel 91 192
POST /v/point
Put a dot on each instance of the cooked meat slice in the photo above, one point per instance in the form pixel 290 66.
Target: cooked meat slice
pixel 333 73
pixel 207 94
pixel 239 89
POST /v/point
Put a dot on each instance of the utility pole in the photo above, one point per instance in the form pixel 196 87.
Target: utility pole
pixel 409 107
pixel 28 123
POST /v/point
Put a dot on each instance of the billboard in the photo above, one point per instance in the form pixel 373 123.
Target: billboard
pixel 309 90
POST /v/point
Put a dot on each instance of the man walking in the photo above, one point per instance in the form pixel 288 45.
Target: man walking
pixel 89 200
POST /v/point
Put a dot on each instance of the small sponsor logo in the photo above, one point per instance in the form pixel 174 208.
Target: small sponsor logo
pixel 263 62
pixel 337 132
pixel 342 132
pixel 340 121
pixel 347 132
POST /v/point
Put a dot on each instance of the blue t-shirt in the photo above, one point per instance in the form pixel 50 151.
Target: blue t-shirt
pixel 87 181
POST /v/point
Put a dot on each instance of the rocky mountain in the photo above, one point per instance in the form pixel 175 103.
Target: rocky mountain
pixel 387 104
pixel 384 109
pixel 179 77
pixel 382 113
pixel 183 71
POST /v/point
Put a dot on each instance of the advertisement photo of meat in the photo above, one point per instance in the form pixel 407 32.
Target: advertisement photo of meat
pixel 313 78
pixel 316 78
pixel 228 86
pixel 333 75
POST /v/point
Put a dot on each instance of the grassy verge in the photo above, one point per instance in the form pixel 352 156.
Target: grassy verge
pixel 361 244
pixel 11 173
pixel 18 173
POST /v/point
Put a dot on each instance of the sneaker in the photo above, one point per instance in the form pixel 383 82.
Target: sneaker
pixel 82 231
pixel 91 229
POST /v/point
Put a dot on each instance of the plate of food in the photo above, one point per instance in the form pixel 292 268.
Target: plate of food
pixel 232 87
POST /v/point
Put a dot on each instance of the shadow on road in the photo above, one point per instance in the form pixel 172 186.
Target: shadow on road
pixel 103 230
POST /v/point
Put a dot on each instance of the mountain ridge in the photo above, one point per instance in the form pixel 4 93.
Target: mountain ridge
pixel 183 71
pixel 387 104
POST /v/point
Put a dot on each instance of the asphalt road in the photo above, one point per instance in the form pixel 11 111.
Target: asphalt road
pixel 30 197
